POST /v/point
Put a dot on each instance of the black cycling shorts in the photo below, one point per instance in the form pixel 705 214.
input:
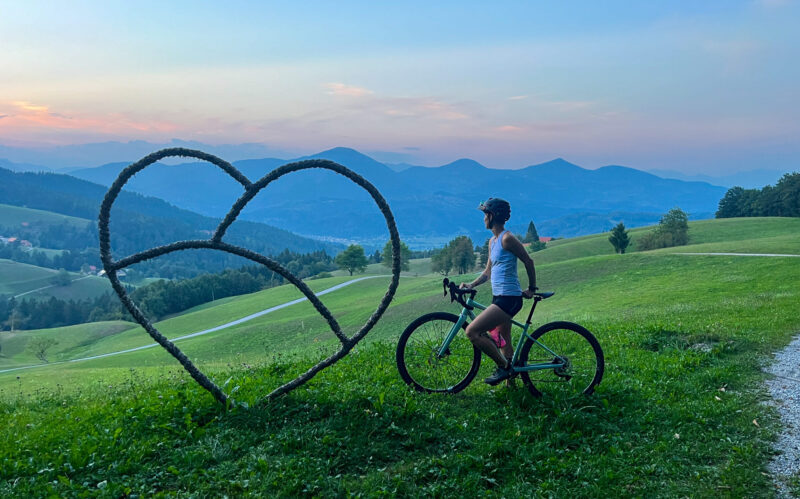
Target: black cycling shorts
pixel 508 304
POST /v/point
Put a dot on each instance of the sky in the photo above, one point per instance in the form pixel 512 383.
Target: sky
pixel 705 87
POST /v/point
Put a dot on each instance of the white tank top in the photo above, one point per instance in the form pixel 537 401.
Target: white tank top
pixel 505 281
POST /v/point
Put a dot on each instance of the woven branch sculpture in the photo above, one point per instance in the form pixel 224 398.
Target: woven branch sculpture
pixel 215 242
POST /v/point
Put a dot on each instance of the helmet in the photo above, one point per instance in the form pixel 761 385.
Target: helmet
pixel 499 208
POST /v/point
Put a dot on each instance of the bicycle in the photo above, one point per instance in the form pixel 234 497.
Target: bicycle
pixel 433 358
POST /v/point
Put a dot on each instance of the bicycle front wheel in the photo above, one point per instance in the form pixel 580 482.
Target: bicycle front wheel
pixel 419 360
pixel 576 353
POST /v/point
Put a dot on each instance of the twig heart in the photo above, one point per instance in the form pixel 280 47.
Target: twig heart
pixel 215 242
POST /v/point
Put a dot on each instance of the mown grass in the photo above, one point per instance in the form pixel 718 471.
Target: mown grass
pixel 17 215
pixel 732 234
pixel 416 267
pixel 17 278
pixel 677 414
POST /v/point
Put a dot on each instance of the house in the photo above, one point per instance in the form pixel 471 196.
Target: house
pixel 545 239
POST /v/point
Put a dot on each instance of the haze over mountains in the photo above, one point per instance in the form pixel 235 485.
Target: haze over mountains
pixel 431 205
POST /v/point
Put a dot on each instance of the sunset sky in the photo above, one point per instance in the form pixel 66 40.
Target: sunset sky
pixel 699 87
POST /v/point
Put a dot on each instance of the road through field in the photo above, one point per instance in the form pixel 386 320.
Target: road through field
pixel 739 254
pixel 205 331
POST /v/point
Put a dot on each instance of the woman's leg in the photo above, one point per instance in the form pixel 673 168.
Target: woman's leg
pixel 504 330
pixel 486 321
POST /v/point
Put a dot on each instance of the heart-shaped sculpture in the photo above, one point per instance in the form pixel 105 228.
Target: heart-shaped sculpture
pixel 215 242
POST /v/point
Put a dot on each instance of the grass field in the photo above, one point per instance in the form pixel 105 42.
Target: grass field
pixel 678 413
pixel 35 282
pixel 417 267
pixel 12 216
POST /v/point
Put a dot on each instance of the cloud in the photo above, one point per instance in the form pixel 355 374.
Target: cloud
pixel 27 106
pixel 420 107
pixel 25 119
pixel 3 116
pixel 518 97
pixel 508 128
pixel 347 90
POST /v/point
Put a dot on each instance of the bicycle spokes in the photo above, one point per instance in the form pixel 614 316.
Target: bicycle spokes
pixel 576 367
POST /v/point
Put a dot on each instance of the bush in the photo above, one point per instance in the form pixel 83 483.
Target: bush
pixel 672 230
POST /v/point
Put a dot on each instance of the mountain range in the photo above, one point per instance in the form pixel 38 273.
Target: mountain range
pixel 430 204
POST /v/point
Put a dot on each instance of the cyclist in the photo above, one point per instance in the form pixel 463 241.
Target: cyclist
pixel 501 268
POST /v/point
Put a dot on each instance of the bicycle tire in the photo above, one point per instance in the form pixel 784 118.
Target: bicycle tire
pixel 418 360
pixel 584 366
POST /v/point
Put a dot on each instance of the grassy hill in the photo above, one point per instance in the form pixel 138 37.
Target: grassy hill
pixel 11 216
pixel 677 414
pixel 745 235
pixel 35 282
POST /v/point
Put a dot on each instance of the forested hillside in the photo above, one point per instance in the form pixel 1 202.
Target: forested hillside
pixel 137 223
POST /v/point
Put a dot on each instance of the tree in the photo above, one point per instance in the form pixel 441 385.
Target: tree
pixel 462 254
pixel 531 236
pixel 62 278
pixel 676 223
pixel 375 257
pixel 783 200
pixel 352 259
pixel 619 238
pixel 40 346
pixel 672 230
pixel 441 261
pixel 788 193
pixel 405 255
pixel 483 256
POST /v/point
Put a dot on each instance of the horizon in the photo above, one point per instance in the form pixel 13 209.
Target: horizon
pixel 705 89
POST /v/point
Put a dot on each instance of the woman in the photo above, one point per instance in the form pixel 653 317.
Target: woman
pixel 501 268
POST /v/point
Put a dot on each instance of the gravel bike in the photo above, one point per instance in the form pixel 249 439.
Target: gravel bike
pixel 557 358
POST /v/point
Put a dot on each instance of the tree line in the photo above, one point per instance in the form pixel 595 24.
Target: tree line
pixel 782 200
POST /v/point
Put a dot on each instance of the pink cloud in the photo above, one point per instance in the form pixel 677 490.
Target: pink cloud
pixel 22 118
pixel 347 90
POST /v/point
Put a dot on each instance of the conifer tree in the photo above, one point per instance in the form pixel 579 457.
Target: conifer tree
pixel 619 238
pixel 531 236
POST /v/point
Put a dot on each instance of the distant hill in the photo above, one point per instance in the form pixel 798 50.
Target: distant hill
pixel 22 167
pixel 61 158
pixel 139 222
pixel 748 179
pixel 428 202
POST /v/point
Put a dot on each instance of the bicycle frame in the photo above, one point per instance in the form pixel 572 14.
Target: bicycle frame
pixel 466 313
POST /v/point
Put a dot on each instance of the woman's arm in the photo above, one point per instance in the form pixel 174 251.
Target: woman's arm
pixel 512 244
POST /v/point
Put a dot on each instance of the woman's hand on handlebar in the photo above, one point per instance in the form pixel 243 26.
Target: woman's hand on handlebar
pixel 465 285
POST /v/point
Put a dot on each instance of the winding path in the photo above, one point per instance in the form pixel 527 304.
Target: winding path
pixel 205 331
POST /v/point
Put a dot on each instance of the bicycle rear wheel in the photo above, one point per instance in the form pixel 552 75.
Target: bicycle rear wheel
pixel 418 358
pixel 574 348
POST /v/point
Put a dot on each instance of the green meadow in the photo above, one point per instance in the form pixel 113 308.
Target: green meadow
pixel 36 282
pixel 680 410
pixel 16 215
